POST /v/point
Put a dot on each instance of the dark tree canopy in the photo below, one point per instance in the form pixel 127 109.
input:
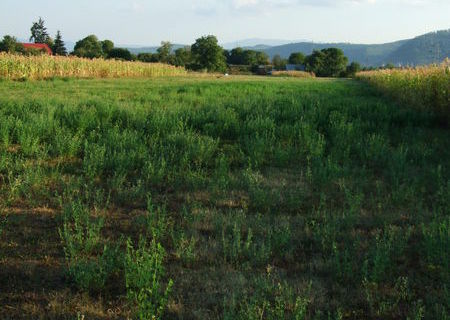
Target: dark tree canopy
pixel 335 62
pixel 89 47
pixel 279 63
pixel 9 44
pixel 147 57
pixel 207 54
pixel 164 52
pixel 107 46
pixel 297 58
pixel 39 32
pixel 120 53
pixel 239 56
pixel 352 69
pixel 330 62
pixel 59 47
pixel 183 57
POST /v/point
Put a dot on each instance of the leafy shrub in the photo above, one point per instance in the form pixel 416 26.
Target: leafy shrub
pixel 81 237
pixel 144 276
pixel 267 299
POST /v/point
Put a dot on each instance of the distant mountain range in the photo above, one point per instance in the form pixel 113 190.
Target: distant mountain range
pixel 257 43
pixel 429 48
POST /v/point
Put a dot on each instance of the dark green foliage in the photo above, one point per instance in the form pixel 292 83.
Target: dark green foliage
pixel 352 69
pixel 164 52
pixel 297 58
pixel 120 53
pixel 107 46
pixel 329 62
pixel 89 47
pixel 39 32
pixel 183 57
pixel 279 63
pixel 59 48
pixel 147 57
pixel 208 55
pixel 9 44
pixel 239 56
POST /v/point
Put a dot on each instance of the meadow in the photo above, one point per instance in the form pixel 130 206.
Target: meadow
pixel 231 198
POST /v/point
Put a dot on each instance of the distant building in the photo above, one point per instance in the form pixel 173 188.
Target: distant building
pixel 38 46
pixel 295 67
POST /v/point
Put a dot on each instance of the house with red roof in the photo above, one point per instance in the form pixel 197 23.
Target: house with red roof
pixel 38 46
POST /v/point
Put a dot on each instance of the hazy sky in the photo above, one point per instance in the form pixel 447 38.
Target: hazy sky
pixel 148 22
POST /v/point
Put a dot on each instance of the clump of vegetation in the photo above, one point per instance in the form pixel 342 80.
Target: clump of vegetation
pixel 144 277
pixel 81 238
pixel 267 298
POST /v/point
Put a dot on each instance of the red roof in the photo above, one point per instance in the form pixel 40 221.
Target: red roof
pixel 38 46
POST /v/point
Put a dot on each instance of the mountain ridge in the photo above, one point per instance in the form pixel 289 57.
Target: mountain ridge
pixel 429 48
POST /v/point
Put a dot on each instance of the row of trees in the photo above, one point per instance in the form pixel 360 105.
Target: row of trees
pixel 204 54
pixel 39 34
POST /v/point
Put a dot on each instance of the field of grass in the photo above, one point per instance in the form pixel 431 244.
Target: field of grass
pixel 18 67
pixel 422 87
pixel 232 198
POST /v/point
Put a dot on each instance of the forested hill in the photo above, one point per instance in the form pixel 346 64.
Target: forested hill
pixel 426 49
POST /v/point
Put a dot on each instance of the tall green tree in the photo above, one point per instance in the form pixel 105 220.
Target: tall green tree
pixel 120 53
pixel 183 57
pixel 278 62
pixel 296 58
pixel 59 47
pixel 207 54
pixel 330 62
pixel 89 47
pixel 164 52
pixel 335 62
pixel 107 46
pixel 352 69
pixel 9 44
pixel 39 32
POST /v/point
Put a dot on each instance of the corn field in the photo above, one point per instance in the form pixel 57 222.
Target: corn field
pixel 420 87
pixel 16 67
pixel 293 74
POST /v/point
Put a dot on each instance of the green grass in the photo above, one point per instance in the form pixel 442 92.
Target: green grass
pixel 231 198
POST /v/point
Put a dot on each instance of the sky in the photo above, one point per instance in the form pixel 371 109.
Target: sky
pixel 148 22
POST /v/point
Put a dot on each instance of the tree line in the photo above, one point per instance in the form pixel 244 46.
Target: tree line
pixel 204 54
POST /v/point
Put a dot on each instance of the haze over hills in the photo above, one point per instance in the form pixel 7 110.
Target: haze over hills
pixel 429 48
pixel 257 43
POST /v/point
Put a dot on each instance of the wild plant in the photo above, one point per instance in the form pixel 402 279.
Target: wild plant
pixel 156 220
pixel 81 238
pixel 267 299
pixel 80 233
pixel 144 278
pixel 383 303
pixel 436 242
pixel 185 247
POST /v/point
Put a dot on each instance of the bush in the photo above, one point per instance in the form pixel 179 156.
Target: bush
pixel 144 276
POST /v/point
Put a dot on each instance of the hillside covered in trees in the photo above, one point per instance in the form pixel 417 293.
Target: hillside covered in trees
pixel 430 48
